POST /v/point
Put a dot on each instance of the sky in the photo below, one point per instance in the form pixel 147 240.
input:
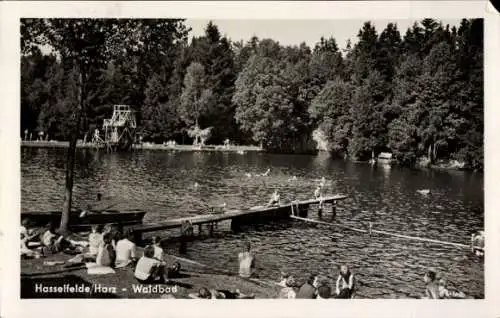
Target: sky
pixel 293 32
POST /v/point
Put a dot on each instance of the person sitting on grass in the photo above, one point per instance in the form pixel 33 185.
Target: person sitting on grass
pixel 25 251
pixel 54 243
pixel 174 271
pixel 345 283
pixel 288 292
pixel 95 240
pixel 149 269
pixel 307 291
pixel 125 250
pixel 431 288
pixel 156 241
pixel 116 232
pixel 205 293
pixel 478 243
pixel 324 292
pixel 284 277
pixel 322 283
pixel 106 256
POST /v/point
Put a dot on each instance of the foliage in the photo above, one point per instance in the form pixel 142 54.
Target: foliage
pixel 416 92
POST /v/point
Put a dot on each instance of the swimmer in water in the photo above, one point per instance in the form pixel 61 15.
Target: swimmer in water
pixel 265 174
pixel 322 183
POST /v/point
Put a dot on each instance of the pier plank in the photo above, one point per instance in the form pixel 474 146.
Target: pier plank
pixel 230 214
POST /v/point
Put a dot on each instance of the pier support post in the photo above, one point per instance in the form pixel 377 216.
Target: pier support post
pixel 212 228
pixel 235 225
pixel 303 211
pixel 334 209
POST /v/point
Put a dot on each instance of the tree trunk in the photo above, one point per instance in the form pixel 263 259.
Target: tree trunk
pixel 70 161
pixel 429 153
pixel 434 152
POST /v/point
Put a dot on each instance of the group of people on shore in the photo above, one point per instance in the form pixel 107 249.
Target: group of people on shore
pixel 320 287
pixel 107 246
pixel 316 286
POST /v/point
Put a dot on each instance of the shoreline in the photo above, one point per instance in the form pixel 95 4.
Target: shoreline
pixel 443 166
pixel 43 281
pixel 144 146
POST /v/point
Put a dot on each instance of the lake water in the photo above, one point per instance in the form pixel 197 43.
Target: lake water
pixel 177 184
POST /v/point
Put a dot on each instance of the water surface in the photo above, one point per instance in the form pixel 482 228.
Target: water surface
pixel 177 184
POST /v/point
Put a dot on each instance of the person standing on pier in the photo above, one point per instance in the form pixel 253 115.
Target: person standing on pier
pixel 275 199
pixel 247 262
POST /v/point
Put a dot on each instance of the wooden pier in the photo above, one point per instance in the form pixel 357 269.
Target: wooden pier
pixel 252 215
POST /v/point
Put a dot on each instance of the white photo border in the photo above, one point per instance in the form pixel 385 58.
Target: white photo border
pixel 13 306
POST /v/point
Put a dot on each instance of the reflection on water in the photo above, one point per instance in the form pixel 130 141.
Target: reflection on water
pixel 163 184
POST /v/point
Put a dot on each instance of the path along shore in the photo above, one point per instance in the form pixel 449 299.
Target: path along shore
pixel 146 146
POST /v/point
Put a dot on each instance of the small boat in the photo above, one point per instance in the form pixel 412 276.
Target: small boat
pixel 385 158
pixel 129 217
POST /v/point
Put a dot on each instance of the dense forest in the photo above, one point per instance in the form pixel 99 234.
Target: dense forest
pixel 417 93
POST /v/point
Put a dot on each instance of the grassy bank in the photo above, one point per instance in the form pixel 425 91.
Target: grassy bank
pixel 121 284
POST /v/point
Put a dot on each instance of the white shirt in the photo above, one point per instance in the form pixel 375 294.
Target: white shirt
pixel 95 240
pixel 47 238
pixel 24 231
pixel 144 267
pixel 125 250
pixel 246 264
pixel 158 252
pixel 341 283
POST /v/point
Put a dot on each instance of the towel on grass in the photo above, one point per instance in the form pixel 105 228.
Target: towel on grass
pixel 94 269
pixel 52 263
pixel 77 259
pixel 122 264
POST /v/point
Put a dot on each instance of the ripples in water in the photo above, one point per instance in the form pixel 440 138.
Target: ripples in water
pixel 170 185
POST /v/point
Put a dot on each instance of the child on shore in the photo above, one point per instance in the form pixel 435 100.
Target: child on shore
pixel 431 288
pixel 288 292
pixel 125 250
pixel 156 241
pixel 95 240
pixel 345 283
pixel 106 255
pixel 53 242
pixel 148 268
